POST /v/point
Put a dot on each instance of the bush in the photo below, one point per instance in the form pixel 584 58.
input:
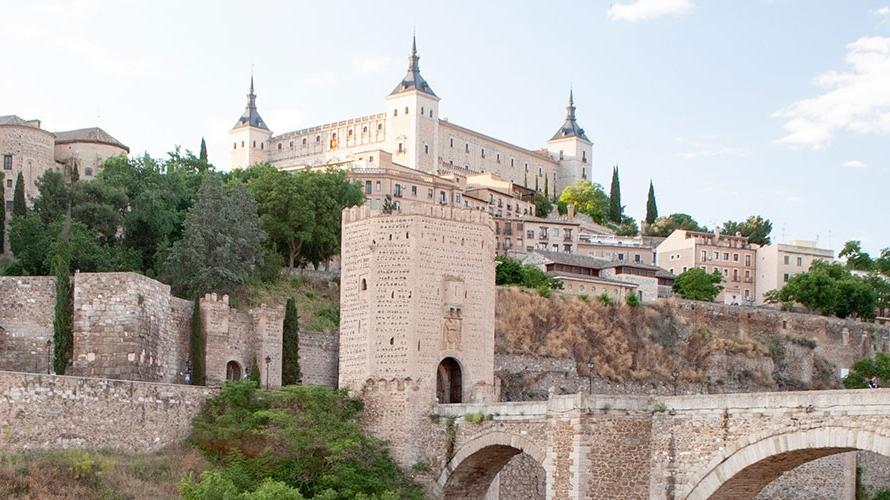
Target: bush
pixel 307 438
pixel 583 296
pixel 604 299
pixel 512 272
pixel 475 418
pixel 633 300
pixel 862 370
pixel 696 284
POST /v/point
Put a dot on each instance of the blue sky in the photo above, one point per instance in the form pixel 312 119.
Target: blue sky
pixel 771 107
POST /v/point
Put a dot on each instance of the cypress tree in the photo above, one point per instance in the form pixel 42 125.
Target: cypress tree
pixel 62 335
pixel 75 174
pixel 2 214
pixel 254 372
pixel 546 187
pixel 651 207
pixel 18 197
pixel 615 198
pixel 537 186
pixel 196 344
pixel 203 154
pixel 525 180
pixel 290 345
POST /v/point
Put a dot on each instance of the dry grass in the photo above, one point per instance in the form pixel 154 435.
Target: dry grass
pixel 318 303
pixel 83 475
pixel 614 342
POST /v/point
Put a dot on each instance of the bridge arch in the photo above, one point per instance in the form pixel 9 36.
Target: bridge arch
pixel 475 464
pixel 753 463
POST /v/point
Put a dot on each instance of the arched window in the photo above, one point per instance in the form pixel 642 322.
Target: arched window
pixel 88 172
pixel 364 284
pixel 254 144
pixel 449 383
pixel 406 110
pixel 279 146
pixel 234 145
pixel 317 139
pixel 395 112
pixel 304 141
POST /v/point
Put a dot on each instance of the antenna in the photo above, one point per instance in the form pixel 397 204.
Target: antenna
pixel 783 232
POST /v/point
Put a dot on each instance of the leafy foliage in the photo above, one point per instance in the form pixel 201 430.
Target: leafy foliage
pixel 651 206
pixel 696 284
pixel 865 368
pixel 588 198
pixel 755 228
pixel 628 227
pixel 301 211
pixel 512 272
pixel 633 300
pixel 219 249
pixel 830 289
pixel 664 226
pixel 543 206
pixel 290 345
pixel 303 437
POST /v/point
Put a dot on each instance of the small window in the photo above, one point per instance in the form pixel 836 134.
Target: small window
pixel 512 162
pixel 304 141
pixel 395 112
pixel 292 144
pixel 483 152
pixel 349 133
pixel 466 147
pixel 254 144
pixel 234 146
pixel 498 157
pixel 242 144
pixel 378 186
pixel 526 167
pixel 279 146
pixel 379 126
pixel 88 172
pixel 431 113
pixel 401 148
pixel 799 261
pixel 9 183
pixel 367 187
pixel 584 156
pixel 561 155
pixel 406 110
pixel 540 171
pixel 786 276
pixel 317 139
pixel 426 148
pixel 422 112
pixel 451 142
pixel 364 284
pixel 262 145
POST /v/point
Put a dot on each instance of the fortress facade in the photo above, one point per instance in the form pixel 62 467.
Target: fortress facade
pixel 411 131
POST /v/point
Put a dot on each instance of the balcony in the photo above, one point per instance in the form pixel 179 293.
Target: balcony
pixel 542 236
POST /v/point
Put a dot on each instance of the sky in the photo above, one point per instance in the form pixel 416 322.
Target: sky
pixel 779 108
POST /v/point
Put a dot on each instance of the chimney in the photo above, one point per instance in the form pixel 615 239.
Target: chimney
pixel 716 233
pixel 570 210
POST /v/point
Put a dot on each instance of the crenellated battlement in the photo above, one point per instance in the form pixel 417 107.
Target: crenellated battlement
pixel 443 212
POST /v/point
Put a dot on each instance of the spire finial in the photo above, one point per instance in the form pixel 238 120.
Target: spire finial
pixel 571 97
pixel 414 42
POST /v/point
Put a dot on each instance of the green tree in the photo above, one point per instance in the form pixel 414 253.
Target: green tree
pixel 651 206
pixel 588 198
pixel 696 284
pixel 202 155
pixel 857 258
pixel 53 197
pixel 543 207
pixel 29 240
pixel 290 345
pixel 628 227
pixel 882 263
pixel 615 208
pixel 62 334
pixel 865 368
pixel 512 272
pixel 18 197
pixel 75 173
pixel 755 228
pixel 220 245
pixel 197 345
pixel 664 226
pixel 881 285
pixel 829 289
pixel 546 187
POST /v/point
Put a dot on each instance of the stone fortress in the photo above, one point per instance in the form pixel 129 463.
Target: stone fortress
pixel 410 132
pixel 29 149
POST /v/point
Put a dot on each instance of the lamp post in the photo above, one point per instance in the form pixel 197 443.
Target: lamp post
pixel 268 362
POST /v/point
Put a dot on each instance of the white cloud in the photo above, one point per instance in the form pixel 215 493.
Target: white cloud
pixel 855 164
pixel 857 100
pixel 641 10
pixel 883 12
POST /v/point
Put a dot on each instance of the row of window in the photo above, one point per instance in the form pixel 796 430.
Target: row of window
pixel 716 256
pixel 395 111
pixel 497 156
pixel 788 262
pixel 583 156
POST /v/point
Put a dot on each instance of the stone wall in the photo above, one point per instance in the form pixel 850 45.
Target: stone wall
pixel 26 322
pixel 127 326
pixel 830 477
pixel 840 341
pixel 56 412
pixel 318 357
pixel 874 471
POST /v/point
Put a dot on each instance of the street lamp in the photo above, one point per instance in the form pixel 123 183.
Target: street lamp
pixel 268 362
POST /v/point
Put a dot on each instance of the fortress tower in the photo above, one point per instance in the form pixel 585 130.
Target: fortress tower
pixel 571 148
pixel 412 119
pixel 417 315
pixel 250 135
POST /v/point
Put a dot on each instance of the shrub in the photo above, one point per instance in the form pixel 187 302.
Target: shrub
pixel 475 418
pixel 862 370
pixel 633 300
pixel 421 466
pixel 660 408
pixel 696 284
pixel 308 438
pixel 583 296
pixel 604 299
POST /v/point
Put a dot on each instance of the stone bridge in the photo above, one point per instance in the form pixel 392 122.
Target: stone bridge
pixel 725 446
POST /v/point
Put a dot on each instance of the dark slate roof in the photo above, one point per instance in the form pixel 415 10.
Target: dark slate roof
pixel 12 120
pixel 413 80
pixel 559 274
pixel 92 134
pixel 570 128
pixel 570 259
pixel 251 117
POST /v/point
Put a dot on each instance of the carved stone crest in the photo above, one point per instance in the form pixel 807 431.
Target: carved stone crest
pixel 452 325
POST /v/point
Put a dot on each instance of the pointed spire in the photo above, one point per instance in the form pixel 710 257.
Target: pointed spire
pixel 250 117
pixel 413 80
pixel 570 128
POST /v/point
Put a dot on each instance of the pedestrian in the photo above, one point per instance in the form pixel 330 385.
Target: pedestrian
pixel 188 377
pixel 873 382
